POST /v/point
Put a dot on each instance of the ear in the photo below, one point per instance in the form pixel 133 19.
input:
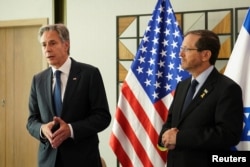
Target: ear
pixel 206 54
pixel 67 45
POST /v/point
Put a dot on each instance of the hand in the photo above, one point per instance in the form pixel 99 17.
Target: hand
pixel 47 130
pixel 169 138
pixel 60 134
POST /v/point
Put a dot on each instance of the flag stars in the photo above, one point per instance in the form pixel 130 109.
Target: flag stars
pixel 145 39
pixel 167 87
pixel 157 64
pixel 172 55
pixel 159 19
pixel 148 82
pixel 141 59
pixel 179 68
pixel 176 34
pixel 153 51
pixel 170 10
pixel 163 53
pixel 139 70
pixel 165 42
pixel 171 66
pixel 169 76
pixel 178 78
pixel 161 9
pixel 167 32
pixel 161 63
pixel 155 95
pixel 155 41
pixel 174 44
pixel 157 30
pixel 168 21
pixel 151 62
pixel 159 74
pixel 149 72
pixel 157 85
pixel 143 49
pixel 148 29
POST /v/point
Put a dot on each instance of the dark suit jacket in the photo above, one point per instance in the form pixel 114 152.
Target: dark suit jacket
pixel 212 122
pixel 85 107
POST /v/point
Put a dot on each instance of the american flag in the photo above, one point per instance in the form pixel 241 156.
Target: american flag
pixel 147 92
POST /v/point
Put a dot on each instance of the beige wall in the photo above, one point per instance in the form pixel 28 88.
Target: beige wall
pixel 25 9
pixel 92 24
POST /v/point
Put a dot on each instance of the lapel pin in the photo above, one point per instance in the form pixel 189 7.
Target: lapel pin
pixel 74 79
pixel 202 95
pixel 205 91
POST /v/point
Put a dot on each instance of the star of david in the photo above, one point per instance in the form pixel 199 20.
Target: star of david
pixel 246 125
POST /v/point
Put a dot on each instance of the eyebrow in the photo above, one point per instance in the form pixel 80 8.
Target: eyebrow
pixel 49 41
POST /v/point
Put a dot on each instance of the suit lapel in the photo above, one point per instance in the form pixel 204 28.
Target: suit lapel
pixel 202 94
pixel 73 80
pixel 48 89
pixel 183 91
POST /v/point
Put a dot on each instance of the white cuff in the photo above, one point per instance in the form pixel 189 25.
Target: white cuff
pixel 71 131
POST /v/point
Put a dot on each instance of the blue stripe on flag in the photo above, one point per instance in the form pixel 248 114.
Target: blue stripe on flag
pixel 247 22
pixel 246 129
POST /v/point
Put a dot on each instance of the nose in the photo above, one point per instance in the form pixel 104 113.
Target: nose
pixel 46 48
pixel 181 53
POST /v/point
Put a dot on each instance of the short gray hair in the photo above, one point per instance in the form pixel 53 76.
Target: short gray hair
pixel 61 29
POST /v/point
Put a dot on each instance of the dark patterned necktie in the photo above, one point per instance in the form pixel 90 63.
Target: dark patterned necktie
pixel 189 95
pixel 57 93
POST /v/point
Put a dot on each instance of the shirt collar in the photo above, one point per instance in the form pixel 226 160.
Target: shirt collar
pixel 203 76
pixel 65 68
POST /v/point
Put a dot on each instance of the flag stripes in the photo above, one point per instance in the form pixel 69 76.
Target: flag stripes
pixel 238 69
pixel 143 118
pixel 147 92
pixel 138 110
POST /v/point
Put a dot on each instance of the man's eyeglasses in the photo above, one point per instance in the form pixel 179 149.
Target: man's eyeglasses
pixel 187 49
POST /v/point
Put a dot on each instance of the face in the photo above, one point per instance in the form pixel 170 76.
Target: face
pixel 191 59
pixel 54 49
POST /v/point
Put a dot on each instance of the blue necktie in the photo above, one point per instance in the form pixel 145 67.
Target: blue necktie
pixel 57 93
pixel 189 95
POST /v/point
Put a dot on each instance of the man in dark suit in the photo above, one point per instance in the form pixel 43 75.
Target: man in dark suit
pixel 68 137
pixel 213 120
